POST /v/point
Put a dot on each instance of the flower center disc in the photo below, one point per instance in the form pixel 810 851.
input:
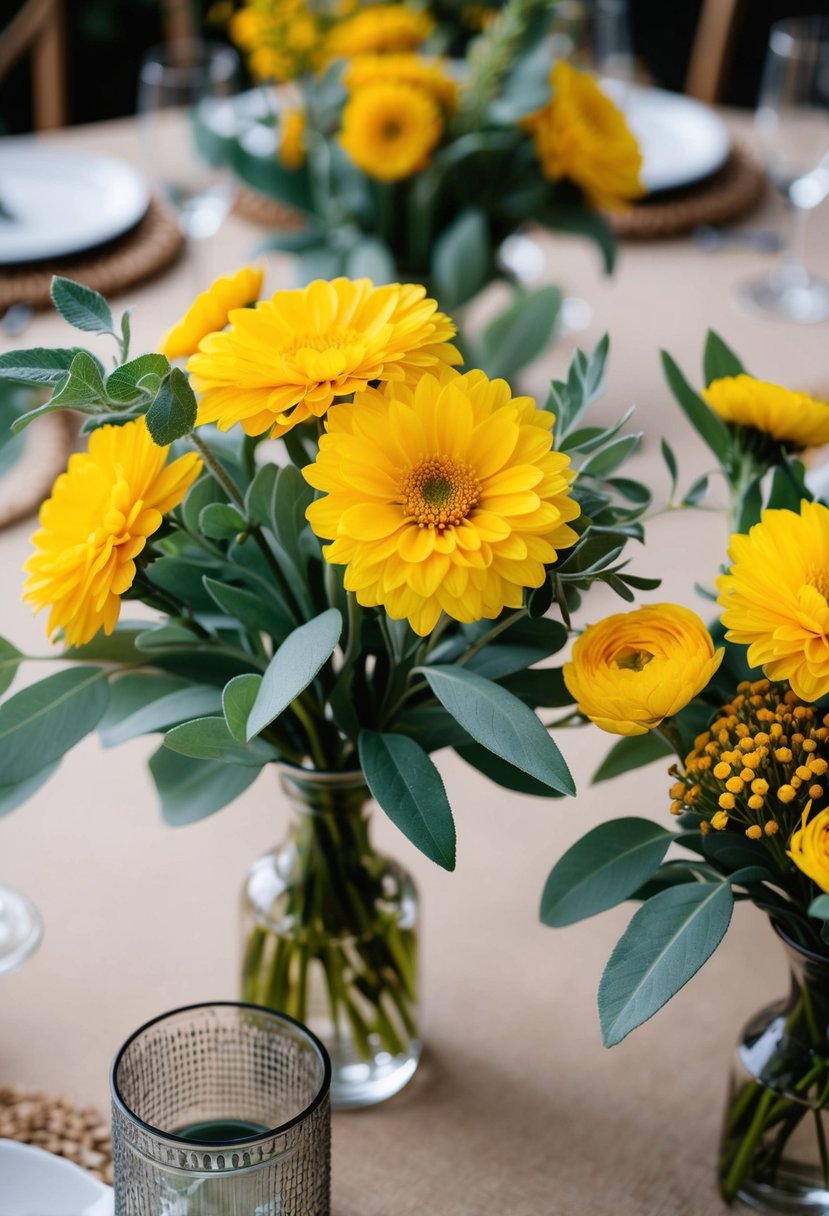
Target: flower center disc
pixel 439 492
pixel 633 660
pixel 331 340
pixel 819 579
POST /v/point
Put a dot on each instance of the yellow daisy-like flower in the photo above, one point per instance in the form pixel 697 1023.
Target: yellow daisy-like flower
pixel 442 497
pixel 291 150
pixel 775 597
pixel 581 135
pixel 794 419
pixel 379 27
pixel 390 129
pixel 96 522
pixel 282 38
pixel 210 311
pixel 288 359
pixel 634 669
pixel 423 73
pixel 809 847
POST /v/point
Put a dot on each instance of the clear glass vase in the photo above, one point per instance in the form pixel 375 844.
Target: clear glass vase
pixel 330 931
pixel 774 1152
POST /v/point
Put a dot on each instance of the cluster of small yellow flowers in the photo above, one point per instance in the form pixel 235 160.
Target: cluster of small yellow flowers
pixel 758 765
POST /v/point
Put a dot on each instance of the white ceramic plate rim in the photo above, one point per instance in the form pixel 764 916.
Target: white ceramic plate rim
pixel 62 1189
pixel 124 198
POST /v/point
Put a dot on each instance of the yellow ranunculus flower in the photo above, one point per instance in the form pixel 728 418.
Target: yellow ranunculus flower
pixel 776 597
pixel 581 135
pixel 291 150
pixel 794 419
pixel 442 497
pixel 633 669
pixel 390 129
pixel 378 27
pixel 419 71
pixel 210 311
pixel 96 522
pixel 809 847
pixel 288 359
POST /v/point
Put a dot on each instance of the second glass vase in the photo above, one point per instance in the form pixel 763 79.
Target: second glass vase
pixel 331 937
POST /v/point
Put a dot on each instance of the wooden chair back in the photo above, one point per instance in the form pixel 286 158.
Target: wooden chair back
pixel 712 50
pixel 38 28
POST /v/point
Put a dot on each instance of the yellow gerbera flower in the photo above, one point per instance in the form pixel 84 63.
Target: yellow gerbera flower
pixel 581 135
pixel 96 522
pixel 291 151
pixel 287 359
pixel 210 311
pixel 421 72
pixel 390 130
pixel 442 497
pixel 634 669
pixel 809 847
pixel 282 38
pixel 379 27
pixel 794 419
pixel 775 597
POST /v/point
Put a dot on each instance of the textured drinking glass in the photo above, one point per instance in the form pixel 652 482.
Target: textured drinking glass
pixel 221 1110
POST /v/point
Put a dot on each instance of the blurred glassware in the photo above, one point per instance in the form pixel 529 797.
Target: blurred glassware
pixel 185 102
pixel 612 45
pixel 792 124
pixel 20 928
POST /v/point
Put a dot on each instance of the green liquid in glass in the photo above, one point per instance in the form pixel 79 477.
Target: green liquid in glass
pixel 221 1131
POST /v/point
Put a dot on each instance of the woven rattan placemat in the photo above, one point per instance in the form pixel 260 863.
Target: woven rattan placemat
pixel 145 250
pixel 721 199
pixel 267 212
pixel 58 1126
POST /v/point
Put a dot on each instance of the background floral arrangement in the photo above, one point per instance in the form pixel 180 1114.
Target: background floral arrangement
pixel 408 165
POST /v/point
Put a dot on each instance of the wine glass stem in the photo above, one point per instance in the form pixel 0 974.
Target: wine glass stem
pixel 794 255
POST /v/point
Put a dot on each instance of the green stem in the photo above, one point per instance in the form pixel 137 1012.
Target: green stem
pixel 742 1160
pixel 491 634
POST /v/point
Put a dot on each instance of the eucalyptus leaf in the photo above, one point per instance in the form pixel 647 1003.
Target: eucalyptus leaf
pixel 238 697
pixel 144 704
pixel 406 785
pixel 10 660
pixel 19 792
pixel 500 772
pixel 190 790
pixel 665 944
pixel 371 258
pixel 81 306
pixel 521 332
pixel 461 258
pixel 603 869
pixel 294 666
pixel 706 423
pixel 210 739
pixel 41 723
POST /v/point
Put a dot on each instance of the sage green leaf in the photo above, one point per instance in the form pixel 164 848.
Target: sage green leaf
pixel 603 869
pixel 583 221
pixel 221 521
pixel 718 360
pixel 501 773
pixel 462 258
pixel 116 647
pixel 37 365
pixel 521 332
pixel 13 796
pixel 665 944
pixel 165 637
pixel 260 494
pixel 406 785
pixel 255 613
pixel 173 413
pixel 41 723
pixel 125 332
pixel 190 790
pixel 294 666
pixel 10 660
pixel 238 698
pixel 83 386
pixel 141 705
pixel 733 851
pixel 81 306
pixel 500 722
pixel 541 688
pixel 705 422
pixel 184 580
pixel 123 383
pixel 819 907
pixel 371 258
pixel 205 490
pixel 210 739
pixel 631 751
pixel 292 497
pixel 670 461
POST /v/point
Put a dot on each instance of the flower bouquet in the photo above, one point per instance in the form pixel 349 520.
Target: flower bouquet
pixel 407 165
pixel 746 719
pixel 378 593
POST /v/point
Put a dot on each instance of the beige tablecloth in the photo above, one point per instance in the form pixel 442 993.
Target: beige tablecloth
pixel 517 1108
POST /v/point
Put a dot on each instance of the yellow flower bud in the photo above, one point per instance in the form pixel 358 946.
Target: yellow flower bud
pixel 722 770
pixel 772 827
pixel 754 833
pixel 803 772
pixel 786 793
pixel 678 789
pixel 759 786
pixel 783 754
pixel 735 785
pixel 755 802
pixel 705 828
pixel 815 792
pixel 719 820
pixel 677 808
pixel 818 766
pixel 727 802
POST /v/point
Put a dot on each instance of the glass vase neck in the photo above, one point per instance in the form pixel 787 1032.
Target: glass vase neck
pixel 810 977
pixel 316 792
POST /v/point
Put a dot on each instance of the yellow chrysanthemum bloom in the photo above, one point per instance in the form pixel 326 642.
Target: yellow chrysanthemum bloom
pixel 210 311
pixel 378 27
pixel 423 73
pixel 794 419
pixel 581 135
pixel 288 359
pixel 291 150
pixel 390 130
pixel 442 497
pixel 282 38
pixel 633 669
pixel 96 522
pixel 775 597
pixel 809 847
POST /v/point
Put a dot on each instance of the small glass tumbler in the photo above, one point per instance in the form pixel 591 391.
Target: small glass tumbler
pixel 221 1110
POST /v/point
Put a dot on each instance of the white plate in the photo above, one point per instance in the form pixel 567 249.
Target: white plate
pixel 63 201
pixel 36 1183
pixel 682 141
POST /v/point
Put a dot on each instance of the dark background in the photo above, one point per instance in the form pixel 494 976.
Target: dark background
pixel 106 39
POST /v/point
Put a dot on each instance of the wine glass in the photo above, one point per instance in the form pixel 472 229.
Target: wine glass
pixel 185 106
pixel 20 928
pixel 792 124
